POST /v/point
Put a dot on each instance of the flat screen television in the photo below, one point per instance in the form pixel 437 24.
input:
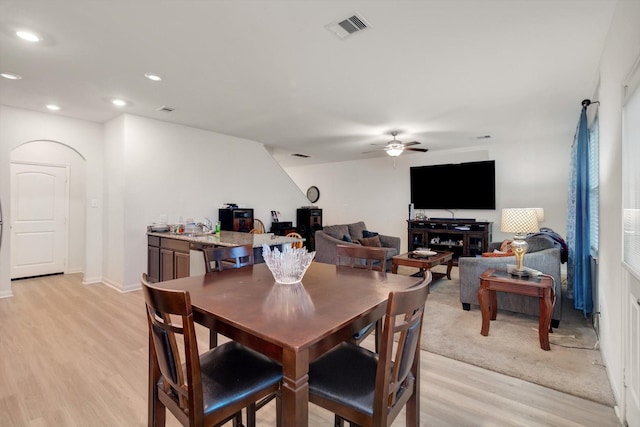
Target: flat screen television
pixel 454 186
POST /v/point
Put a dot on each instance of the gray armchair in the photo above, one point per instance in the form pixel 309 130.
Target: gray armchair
pixel 543 255
pixel 349 234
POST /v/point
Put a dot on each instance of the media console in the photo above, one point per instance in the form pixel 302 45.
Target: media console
pixel 463 237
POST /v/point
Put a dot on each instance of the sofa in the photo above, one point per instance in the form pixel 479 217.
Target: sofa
pixel 357 233
pixel 543 255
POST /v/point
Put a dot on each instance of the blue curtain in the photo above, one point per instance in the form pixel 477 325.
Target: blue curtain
pixel 579 282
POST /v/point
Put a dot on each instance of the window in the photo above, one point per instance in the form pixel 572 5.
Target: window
pixel 594 185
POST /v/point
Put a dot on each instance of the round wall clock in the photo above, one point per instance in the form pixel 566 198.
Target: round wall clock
pixel 313 194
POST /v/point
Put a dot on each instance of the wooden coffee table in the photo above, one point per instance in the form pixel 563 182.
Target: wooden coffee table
pixel 424 263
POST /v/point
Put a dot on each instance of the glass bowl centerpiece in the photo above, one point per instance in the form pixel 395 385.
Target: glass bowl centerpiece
pixel 289 265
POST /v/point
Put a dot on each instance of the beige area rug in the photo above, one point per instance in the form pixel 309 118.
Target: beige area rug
pixel 512 347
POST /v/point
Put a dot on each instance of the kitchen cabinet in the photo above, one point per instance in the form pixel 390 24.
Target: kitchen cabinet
pixel 167 259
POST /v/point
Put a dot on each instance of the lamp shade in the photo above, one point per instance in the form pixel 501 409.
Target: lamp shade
pixel 519 221
pixel 539 213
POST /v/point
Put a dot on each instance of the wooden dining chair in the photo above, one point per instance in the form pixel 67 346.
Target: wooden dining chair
pixel 370 258
pixel 369 389
pixel 227 257
pixel 297 236
pixel 258 225
pixel 208 389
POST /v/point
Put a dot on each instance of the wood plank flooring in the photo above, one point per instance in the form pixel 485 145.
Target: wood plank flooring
pixel 76 355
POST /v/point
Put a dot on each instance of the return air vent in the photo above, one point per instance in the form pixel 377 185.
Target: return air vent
pixel 344 28
pixel 165 109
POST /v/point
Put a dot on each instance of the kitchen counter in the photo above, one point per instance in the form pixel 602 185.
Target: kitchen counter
pixel 174 255
pixel 228 238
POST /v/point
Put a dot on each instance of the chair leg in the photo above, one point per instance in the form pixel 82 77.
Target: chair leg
pixel 237 419
pixel 378 336
pixel 338 422
pixel 251 415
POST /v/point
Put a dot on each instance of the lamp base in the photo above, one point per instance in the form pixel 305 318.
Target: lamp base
pixel 520 274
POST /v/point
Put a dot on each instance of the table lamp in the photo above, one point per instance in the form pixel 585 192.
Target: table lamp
pixel 520 221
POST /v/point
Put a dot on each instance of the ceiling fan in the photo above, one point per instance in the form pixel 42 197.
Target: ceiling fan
pixel 394 148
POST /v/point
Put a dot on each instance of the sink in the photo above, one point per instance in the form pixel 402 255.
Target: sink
pixel 198 234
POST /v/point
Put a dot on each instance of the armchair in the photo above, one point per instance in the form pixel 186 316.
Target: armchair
pixel 543 255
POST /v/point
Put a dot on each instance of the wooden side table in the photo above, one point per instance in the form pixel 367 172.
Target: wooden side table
pixel 492 281
pixel 424 264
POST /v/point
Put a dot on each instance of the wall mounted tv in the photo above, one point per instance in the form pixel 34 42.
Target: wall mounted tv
pixel 454 186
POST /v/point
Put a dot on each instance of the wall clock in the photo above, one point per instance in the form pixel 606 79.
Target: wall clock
pixel 313 194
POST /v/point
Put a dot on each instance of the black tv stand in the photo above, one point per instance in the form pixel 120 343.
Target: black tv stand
pixel 463 237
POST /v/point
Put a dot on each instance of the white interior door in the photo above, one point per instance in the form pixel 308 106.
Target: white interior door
pixel 39 203
pixel 632 356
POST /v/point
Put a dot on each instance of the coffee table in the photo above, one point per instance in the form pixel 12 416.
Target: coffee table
pixel 424 263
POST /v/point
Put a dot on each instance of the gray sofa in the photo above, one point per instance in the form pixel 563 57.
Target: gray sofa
pixel 348 234
pixel 543 255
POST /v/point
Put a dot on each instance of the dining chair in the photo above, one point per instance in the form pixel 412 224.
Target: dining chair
pixel 370 258
pixel 256 231
pixel 227 257
pixel 259 226
pixel 369 389
pixel 297 236
pixel 208 389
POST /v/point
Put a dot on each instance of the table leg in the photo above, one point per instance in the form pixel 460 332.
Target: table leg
pixel 449 267
pixel 483 299
pixel 394 266
pixel 546 310
pixel 295 388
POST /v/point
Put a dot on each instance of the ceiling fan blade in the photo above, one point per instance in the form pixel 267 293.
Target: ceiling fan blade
pixel 409 144
pixel 421 150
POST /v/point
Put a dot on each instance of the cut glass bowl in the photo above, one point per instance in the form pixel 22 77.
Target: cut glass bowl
pixel 289 265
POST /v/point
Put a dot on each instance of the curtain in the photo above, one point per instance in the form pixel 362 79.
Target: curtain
pixel 579 281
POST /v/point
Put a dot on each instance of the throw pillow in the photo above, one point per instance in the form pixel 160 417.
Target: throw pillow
pixel 347 238
pixel 505 246
pixel 370 241
pixel 367 233
pixel 355 230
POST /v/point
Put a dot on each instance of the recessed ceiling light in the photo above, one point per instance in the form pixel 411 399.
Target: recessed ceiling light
pixel 26 35
pixel 119 102
pixel 154 77
pixel 10 76
pixel 53 107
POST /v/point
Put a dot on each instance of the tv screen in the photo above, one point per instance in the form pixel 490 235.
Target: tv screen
pixel 454 186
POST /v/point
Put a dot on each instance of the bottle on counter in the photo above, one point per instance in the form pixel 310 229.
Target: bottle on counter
pixel 218 228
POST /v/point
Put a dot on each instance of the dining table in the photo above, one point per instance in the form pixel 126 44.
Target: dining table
pixel 291 323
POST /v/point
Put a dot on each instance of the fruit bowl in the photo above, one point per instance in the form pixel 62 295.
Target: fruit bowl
pixel 289 265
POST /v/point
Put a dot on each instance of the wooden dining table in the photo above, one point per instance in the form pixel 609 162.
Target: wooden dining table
pixel 292 324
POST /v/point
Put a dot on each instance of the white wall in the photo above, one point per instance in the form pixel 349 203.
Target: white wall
pixel 156 168
pixel 622 49
pixel 528 174
pixel 19 126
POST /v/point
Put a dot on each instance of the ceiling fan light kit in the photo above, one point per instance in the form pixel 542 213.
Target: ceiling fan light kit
pixel 394 149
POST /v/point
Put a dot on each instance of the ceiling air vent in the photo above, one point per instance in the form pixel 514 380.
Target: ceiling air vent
pixel 304 156
pixel 165 109
pixel 344 28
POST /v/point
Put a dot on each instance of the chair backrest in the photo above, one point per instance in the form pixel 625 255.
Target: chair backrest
pixel 298 236
pixel 228 257
pixel 368 257
pixel 259 226
pixel 398 367
pixel 164 308
pixel 256 231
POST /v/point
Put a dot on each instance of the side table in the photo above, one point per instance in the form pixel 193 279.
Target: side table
pixel 492 281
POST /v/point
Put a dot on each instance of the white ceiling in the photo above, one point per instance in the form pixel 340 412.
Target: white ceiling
pixel 440 72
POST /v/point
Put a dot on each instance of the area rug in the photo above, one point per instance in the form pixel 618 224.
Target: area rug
pixel 574 364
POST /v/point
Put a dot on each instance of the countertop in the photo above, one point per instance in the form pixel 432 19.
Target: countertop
pixel 229 238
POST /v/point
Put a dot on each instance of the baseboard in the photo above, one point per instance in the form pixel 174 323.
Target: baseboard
pixel 6 294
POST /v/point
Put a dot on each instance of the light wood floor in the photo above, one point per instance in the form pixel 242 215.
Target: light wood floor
pixel 76 355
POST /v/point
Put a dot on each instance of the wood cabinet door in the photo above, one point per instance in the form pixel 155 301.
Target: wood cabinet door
pixel 153 264
pixel 166 265
pixel 181 266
